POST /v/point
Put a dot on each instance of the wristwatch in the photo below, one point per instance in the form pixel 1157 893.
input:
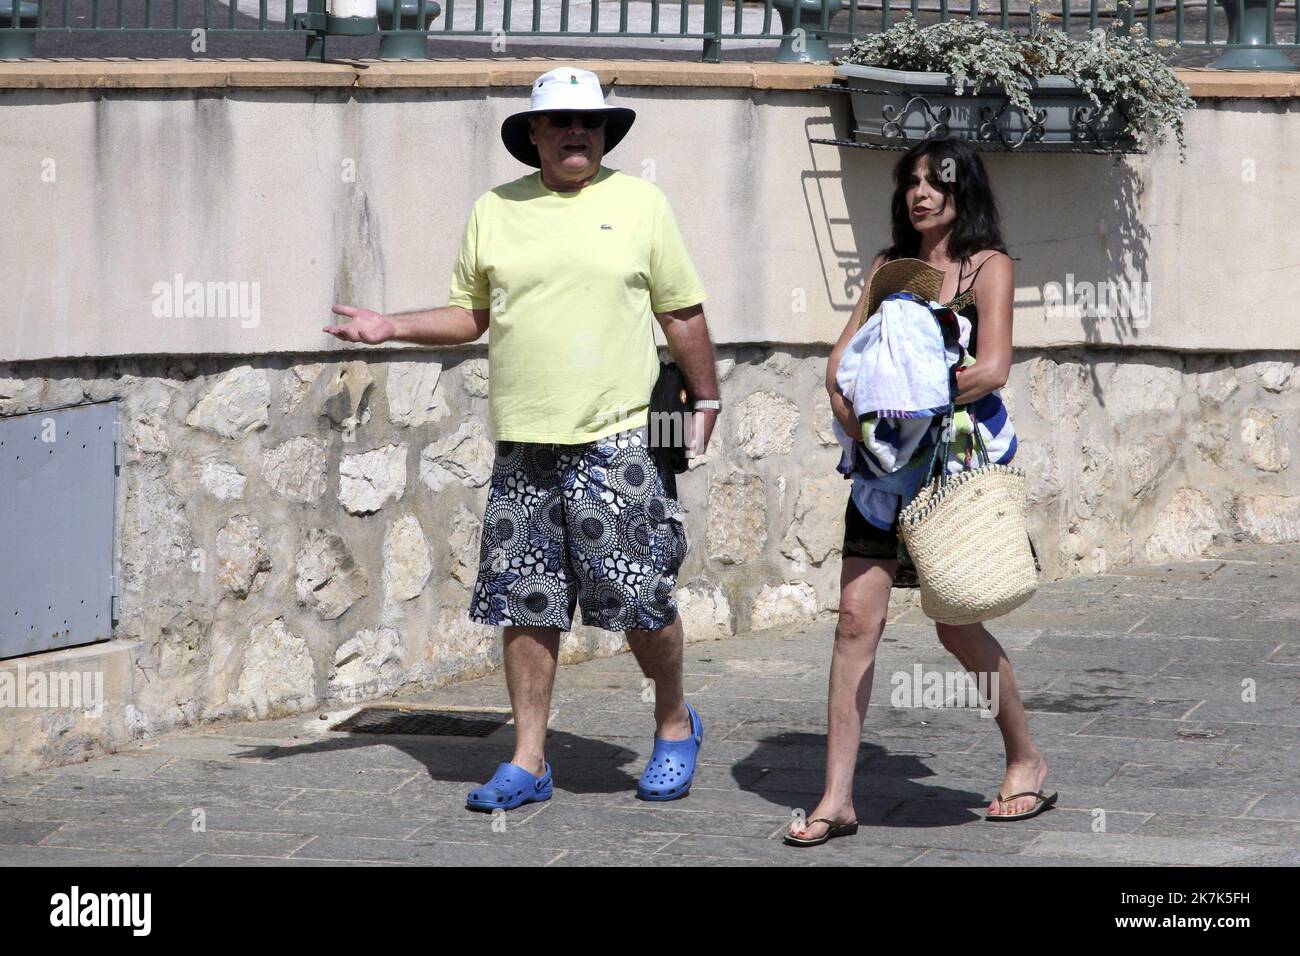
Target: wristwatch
pixel 708 404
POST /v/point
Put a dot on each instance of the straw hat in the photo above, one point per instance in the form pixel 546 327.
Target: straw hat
pixel 565 89
pixel 903 275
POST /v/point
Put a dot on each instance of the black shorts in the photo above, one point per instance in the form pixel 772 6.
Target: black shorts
pixel 862 539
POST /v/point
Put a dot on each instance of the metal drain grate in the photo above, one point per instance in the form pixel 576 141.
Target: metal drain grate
pixel 427 723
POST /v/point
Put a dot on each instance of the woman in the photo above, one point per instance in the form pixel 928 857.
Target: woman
pixel 943 213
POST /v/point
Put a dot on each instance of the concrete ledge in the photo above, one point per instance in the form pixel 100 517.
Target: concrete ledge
pixel 1206 83
pixel 38 731
pixel 133 74
pixel 124 73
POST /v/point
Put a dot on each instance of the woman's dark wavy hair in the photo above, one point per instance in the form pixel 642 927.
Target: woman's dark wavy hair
pixel 976 226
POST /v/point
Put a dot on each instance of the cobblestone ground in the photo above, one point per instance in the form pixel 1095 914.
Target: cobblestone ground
pixel 1134 682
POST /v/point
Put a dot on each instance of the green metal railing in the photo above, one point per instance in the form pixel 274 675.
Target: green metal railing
pixel 1253 34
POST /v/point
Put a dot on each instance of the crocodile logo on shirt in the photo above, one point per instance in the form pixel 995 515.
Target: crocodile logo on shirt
pixel 605 225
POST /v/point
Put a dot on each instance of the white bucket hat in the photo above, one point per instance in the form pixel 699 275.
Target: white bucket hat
pixel 569 89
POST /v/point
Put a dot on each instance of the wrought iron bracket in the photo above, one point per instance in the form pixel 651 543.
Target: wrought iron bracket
pixel 989 129
pixel 1033 148
pixel 937 119
pixel 1087 126
pixel 989 136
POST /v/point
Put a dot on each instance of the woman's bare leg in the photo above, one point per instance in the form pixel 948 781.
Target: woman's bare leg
pixel 981 654
pixel 864 601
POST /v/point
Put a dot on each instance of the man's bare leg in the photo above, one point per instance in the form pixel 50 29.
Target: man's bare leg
pixel 660 655
pixel 530 657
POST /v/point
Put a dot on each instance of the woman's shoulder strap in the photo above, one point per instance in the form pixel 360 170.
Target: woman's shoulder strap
pixel 976 273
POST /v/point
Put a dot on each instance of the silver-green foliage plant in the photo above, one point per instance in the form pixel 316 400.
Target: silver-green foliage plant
pixel 1118 68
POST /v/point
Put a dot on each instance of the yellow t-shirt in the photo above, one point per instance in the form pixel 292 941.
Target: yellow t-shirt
pixel 572 281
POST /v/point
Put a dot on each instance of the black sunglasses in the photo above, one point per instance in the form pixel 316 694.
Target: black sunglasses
pixel 563 119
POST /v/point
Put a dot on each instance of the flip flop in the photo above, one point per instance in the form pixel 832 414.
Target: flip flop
pixel 671 769
pixel 511 786
pixel 1044 802
pixel 833 830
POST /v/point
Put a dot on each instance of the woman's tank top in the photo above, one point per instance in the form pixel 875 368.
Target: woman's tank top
pixel 963 303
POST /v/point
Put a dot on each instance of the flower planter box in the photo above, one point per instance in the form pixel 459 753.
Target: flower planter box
pixel 898 108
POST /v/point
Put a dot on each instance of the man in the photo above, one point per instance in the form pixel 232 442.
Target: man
pixel 566 266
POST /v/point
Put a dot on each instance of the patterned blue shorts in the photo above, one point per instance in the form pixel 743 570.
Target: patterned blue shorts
pixel 579 525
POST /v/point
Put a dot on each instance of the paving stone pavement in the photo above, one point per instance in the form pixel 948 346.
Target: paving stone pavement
pixel 1166 700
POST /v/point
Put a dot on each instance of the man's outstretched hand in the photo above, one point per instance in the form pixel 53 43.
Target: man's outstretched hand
pixel 366 326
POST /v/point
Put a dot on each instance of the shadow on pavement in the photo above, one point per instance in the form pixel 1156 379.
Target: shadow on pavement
pixel 887 788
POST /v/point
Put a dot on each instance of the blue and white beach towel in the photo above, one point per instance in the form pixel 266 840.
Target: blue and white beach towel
pixel 911 358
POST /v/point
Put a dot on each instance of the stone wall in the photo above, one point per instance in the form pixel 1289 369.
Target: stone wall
pixel 299 534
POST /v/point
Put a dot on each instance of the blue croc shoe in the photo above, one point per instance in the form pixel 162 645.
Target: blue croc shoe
pixel 511 786
pixel 671 768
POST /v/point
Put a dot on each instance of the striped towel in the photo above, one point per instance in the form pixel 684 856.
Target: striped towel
pixel 891 464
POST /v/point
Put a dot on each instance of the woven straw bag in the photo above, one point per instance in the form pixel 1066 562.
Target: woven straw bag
pixel 967 536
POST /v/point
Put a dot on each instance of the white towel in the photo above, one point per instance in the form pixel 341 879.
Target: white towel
pixel 896 452
pixel 896 365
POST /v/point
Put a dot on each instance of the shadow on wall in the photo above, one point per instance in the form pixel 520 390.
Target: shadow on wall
pixel 848 209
